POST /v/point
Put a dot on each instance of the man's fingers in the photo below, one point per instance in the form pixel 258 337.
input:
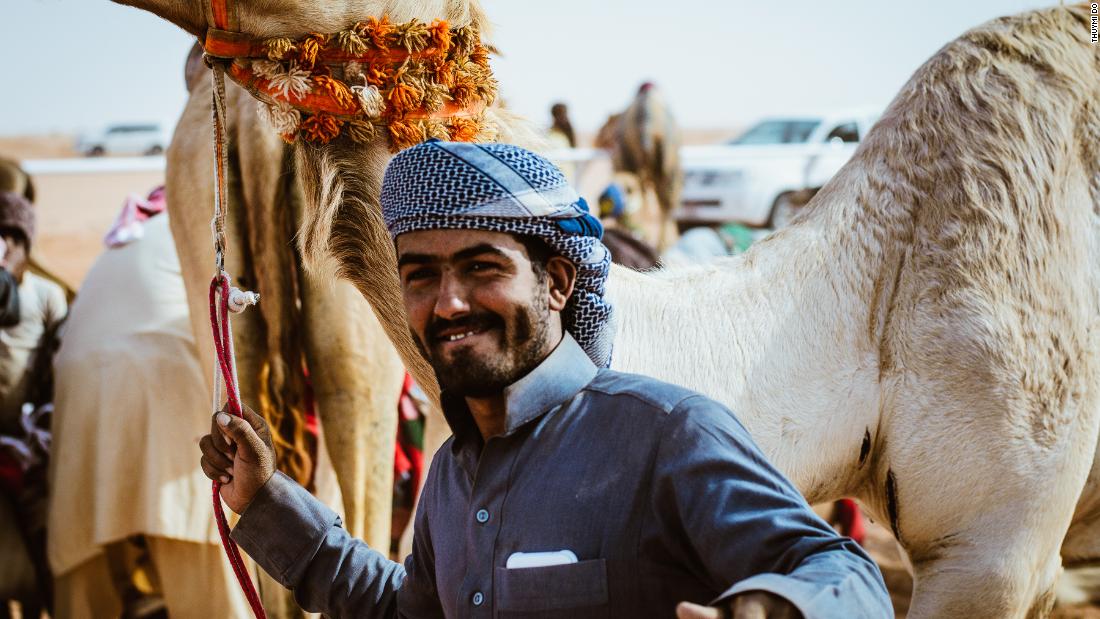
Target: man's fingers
pixel 218 458
pixel 254 419
pixel 259 424
pixel 687 610
pixel 750 609
pixel 250 446
pixel 217 436
pixel 763 605
pixel 213 472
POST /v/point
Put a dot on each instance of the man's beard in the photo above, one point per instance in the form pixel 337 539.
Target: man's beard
pixel 470 374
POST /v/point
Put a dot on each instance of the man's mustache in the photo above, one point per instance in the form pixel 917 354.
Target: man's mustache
pixel 482 321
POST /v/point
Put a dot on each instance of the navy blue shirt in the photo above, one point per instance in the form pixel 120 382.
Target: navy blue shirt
pixel 659 492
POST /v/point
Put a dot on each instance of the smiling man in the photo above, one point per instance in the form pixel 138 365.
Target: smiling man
pixel 567 490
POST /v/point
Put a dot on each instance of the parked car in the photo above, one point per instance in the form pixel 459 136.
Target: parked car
pixel 135 139
pixel 753 178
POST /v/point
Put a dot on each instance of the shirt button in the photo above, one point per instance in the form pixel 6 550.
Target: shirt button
pixel 482 516
pixel 478 598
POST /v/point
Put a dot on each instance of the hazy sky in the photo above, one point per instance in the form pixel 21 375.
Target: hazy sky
pixel 85 63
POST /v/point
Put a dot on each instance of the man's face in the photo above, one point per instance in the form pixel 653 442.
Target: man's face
pixel 478 311
pixel 14 257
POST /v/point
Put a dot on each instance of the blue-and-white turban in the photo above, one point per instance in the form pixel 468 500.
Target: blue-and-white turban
pixel 505 188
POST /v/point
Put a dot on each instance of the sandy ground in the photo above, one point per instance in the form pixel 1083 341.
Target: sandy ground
pixel 75 211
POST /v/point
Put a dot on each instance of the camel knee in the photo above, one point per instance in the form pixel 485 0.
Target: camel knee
pixel 975 582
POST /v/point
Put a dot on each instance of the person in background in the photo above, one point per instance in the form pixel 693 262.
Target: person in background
pixel 131 529
pixel 42 306
pixel 562 138
pixel 561 126
pixel 9 290
pixel 14 179
pixel 38 306
pixel 621 238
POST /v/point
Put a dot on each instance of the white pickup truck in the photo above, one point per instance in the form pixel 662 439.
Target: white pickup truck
pixel 135 139
pixel 752 178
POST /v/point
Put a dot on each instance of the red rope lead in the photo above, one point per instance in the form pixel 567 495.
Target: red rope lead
pixel 223 345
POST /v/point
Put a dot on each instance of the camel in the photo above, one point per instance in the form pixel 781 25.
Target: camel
pixel 644 142
pixel 354 371
pixel 923 336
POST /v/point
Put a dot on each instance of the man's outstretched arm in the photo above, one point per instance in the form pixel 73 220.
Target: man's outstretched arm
pixel 750 529
pixel 300 542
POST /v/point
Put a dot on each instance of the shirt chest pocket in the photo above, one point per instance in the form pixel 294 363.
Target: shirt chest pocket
pixel 573 591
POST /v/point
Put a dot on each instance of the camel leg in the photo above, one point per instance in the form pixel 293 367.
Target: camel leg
pixel 1081 548
pixel 992 549
pixel 357 378
pixel 190 198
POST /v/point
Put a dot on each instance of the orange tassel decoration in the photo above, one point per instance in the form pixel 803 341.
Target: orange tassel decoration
pixel 404 134
pixel 309 49
pixel 321 127
pixel 379 72
pixel 464 88
pixel 378 30
pixel 463 129
pixel 339 91
pixel 441 37
pixel 443 72
pixel 403 99
pixel 411 79
pixel 480 56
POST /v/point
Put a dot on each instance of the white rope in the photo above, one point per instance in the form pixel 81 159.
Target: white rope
pixel 240 300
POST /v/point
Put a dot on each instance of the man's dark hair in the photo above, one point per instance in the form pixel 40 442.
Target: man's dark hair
pixel 15 233
pixel 539 252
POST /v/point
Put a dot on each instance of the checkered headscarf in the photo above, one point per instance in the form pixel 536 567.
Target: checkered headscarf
pixel 505 188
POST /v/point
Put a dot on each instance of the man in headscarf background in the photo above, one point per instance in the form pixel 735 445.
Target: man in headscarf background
pixel 567 490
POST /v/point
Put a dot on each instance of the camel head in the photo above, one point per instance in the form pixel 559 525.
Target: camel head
pixel 341 230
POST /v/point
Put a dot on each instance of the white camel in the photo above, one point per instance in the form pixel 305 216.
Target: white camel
pixel 924 337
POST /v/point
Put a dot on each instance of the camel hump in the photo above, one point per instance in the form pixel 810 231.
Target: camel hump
pixel 972 158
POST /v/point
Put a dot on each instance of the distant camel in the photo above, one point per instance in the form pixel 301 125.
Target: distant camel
pixel 644 142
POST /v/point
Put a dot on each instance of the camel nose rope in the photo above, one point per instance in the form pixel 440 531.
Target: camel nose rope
pixel 224 299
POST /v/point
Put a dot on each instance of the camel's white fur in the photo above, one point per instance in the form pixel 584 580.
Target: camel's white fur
pixel 924 337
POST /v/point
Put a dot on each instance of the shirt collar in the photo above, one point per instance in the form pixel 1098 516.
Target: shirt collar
pixel 563 373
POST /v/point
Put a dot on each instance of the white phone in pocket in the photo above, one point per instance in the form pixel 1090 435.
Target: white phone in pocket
pixel 519 560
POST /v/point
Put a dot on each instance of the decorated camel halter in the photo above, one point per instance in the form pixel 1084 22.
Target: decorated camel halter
pixel 408 82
